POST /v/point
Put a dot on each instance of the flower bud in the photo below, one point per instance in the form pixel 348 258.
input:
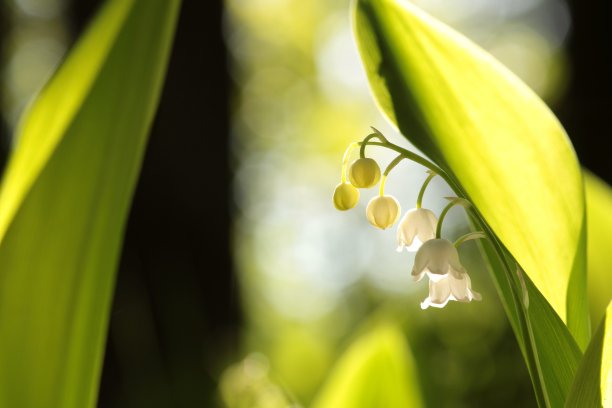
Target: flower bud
pixel 364 173
pixel 383 211
pixel 346 196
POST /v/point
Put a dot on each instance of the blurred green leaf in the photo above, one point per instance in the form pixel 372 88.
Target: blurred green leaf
pixel 599 236
pixel 64 202
pixel 501 147
pixel 592 386
pixel 376 371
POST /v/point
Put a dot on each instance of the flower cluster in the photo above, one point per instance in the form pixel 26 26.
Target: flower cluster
pixel 419 229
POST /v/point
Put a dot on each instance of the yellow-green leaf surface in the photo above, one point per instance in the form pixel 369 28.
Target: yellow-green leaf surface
pixel 376 371
pixel 599 237
pixel 489 132
pixel 592 387
pixel 500 146
pixel 64 201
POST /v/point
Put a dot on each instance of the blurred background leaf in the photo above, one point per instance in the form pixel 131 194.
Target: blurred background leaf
pixel 376 370
pixel 599 237
pixel 64 202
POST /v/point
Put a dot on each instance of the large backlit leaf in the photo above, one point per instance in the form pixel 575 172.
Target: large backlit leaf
pixel 501 147
pixel 490 132
pixel 64 201
pixel 599 236
pixel 376 371
pixel 592 387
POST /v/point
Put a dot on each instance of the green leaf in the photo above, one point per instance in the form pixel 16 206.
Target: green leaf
pixel 599 236
pixel 502 148
pixel 64 201
pixel 376 371
pixel 489 132
pixel 592 386
pixel 551 354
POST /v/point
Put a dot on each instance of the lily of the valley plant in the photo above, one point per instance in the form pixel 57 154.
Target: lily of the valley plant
pixel 496 144
pixel 419 230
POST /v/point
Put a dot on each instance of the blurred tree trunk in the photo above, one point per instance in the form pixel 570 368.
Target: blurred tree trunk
pixel 175 311
pixel 585 111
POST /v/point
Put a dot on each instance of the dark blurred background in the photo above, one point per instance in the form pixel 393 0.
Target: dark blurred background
pixel 176 320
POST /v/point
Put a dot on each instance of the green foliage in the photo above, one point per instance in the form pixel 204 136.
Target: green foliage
pixel 64 201
pixel 592 386
pixel 376 371
pixel 599 236
pixel 502 148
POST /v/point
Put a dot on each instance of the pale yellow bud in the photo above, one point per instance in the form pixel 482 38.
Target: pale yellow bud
pixel 346 196
pixel 383 211
pixel 364 173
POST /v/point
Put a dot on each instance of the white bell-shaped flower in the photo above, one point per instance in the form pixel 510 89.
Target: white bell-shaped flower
pixel 450 288
pixel 448 280
pixel 437 258
pixel 416 227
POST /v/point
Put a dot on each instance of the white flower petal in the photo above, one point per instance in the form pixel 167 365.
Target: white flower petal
pixel 455 263
pixel 420 262
pixel 439 291
pixel 416 244
pixel 461 289
pixel 435 277
pixel 448 280
pixel 428 302
pixel 416 227
pixel 426 224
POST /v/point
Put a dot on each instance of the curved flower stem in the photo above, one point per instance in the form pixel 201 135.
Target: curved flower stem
pixel 347 154
pixel 469 236
pixel 390 167
pixel 422 191
pixel 524 323
pixel 366 139
pixel 454 201
pixel 380 135
pixel 409 155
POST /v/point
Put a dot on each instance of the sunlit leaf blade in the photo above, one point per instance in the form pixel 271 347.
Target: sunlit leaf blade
pixel 490 133
pixel 64 201
pixel 376 371
pixel 592 386
pixel 599 237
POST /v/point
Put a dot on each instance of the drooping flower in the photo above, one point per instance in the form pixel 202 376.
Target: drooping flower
pixel 383 211
pixel 346 196
pixel 364 173
pixel 450 288
pixel 416 227
pixel 436 258
pixel 448 280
